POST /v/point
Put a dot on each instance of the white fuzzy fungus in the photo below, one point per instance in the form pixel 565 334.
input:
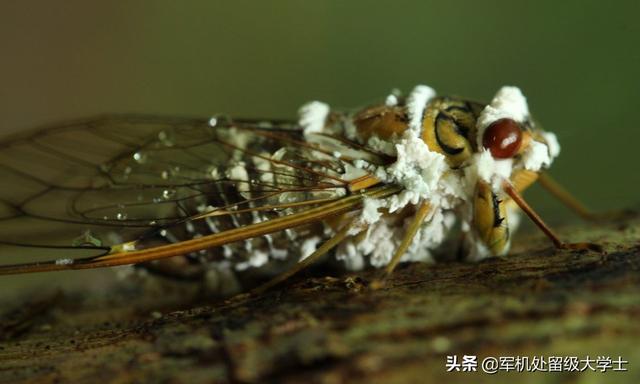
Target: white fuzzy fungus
pixel 552 143
pixel 392 98
pixel 536 156
pixel 313 117
pixel 417 169
pixel 257 259
pixel 371 211
pixel 238 172
pixel 263 165
pixel 416 103
pixel 483 166
pixel 309 245
pixel 509 103
pixel 425 176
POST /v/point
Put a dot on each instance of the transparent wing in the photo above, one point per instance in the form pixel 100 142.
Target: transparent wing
pixel 82 188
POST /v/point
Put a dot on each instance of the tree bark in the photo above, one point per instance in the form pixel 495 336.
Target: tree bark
pixel 536 302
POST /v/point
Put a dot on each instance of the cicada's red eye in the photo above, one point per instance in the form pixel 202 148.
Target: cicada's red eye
pixel 503 138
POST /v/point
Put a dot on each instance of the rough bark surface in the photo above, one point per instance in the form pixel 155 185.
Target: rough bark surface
pixel 537 301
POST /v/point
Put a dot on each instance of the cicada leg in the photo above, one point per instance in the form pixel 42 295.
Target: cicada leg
pixel 420 215
pixel 490 221
pixel 322 250
pixel 574 204
pixel 518 199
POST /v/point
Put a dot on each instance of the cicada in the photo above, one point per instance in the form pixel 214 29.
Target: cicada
pixel 181 196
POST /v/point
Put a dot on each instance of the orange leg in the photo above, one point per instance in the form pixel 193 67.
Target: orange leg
pixel 420 215
pixel 517 198
pixel 417 221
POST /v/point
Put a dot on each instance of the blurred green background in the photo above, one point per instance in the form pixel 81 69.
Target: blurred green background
pixel 576 61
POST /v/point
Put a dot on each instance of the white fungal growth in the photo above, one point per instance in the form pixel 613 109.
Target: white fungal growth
pixel 263 165
pixel 417 169
pixel 257 259
pixel 391 100
pixel 309 245
pixel 552 143
pixel 240 138
pixel 238 173
pixel 64 261
pixel 416 103
pixel 383 241
pixel 348 253
pixel 278 253
pixel 513 217
pixel 536 156
pixel 424 175
pixel 432 233
pixel 483 166
pixel 426 178
pixel 313 116
pixel 352 172
pixel 383 238
pixel 371 210
pixel 509 102
pixel 382 146
pixel 378 244
pixel 541 154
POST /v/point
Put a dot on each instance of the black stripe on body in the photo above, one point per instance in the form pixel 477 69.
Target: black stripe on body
pixel 446 148
pixel 497 220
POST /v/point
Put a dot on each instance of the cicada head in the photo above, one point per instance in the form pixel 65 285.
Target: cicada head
pixel 506 130
pixel 461 130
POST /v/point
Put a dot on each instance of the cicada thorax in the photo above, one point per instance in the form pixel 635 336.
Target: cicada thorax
pixel 448 126
pixel 382 121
